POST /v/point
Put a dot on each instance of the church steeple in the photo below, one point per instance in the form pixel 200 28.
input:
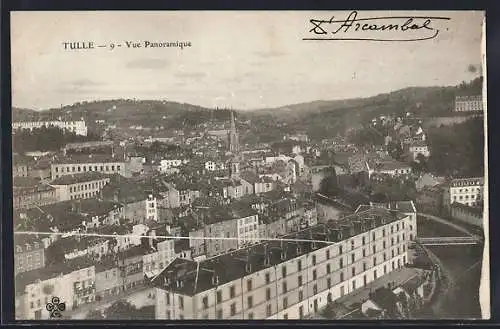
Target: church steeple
pixel 234 146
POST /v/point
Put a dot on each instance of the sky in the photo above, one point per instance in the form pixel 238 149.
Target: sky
pixel 243 60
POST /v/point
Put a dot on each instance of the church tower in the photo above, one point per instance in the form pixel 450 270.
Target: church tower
pixel 234 145
pixel 234 149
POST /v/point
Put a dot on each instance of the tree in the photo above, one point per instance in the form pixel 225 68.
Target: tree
pixel 54 255
pixel 121 310
pixel 94 315
pixel 329 184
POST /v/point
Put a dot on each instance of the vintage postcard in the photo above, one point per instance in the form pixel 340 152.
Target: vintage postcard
pixel 172 165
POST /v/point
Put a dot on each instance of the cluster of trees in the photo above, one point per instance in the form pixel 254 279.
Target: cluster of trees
pixel 122 310
pixel 46 139
pixel 329 184
pixel 366 136
pixel 457 150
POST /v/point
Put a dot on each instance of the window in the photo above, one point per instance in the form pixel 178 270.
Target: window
pixel 353 257
pixel 233 309
pixel 268 293
pixel 219 297
pixel 283 271
pixel 315 276
pixel 364 240
pixel 249 285
pixel 219 314
pixel 329 283
pixel 314 259
pixel 300 280
pixel 327 254
pixel 385 256
pixel 383 232
pixel 301 295
pixel 315 289
pixel 328 268
pixel 341 263
pixel 374 249
pixel 181 302
pixel 364 266
pixel 373 236
pixel 232 292
pixel 374 274
pixel 250 301
pixel 353 271
pixel 284 286
pixel 374 260
pixel 341 276
pixel 352 244
pixel 383 244
pixel 250 316
pixel 353 284
pixel 285 303
pixel 268 278
pixel 205 302
pixel 269 310
pixel 301 312
pixel 364 253
pixel 299 265
pixel 285 316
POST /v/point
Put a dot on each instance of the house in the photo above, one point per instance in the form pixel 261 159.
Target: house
pixel 382 304
pixel 427 179
pixel 73 282
pixel 29 253
pixel 28 192
pixel 419 147
pixel 20 166
pixel 78 164
pixel 468 191
pixel 79 186
pixel 392 168
pixel 130 265
pixel 70 216
pixel 215 165
pixel 140 202
pixel 259 185
pixel 107 278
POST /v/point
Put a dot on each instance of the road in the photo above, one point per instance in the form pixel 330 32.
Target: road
pixel 447 222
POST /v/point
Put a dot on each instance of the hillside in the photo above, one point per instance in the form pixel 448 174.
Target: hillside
pixel 318 118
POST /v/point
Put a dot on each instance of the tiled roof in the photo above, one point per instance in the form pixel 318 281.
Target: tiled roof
pixel 78 178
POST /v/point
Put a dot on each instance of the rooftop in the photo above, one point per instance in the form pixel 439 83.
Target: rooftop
pixel 189 278
pixel 46 273
pixel 90 158
pixel 79 178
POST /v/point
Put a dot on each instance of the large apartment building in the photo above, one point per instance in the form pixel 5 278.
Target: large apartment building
pixel 287 279
pixel 467 191
pixel 79 127
pixel 469 103
pixel 81 164
pixel 80 186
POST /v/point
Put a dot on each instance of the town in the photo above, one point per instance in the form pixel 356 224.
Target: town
pixel 170 223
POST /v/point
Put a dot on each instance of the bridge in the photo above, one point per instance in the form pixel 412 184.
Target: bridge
pixel 449 240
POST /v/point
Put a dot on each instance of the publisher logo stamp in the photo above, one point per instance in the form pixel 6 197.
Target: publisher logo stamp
pixel 55 307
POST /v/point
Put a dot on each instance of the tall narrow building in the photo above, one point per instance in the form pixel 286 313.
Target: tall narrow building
pixel 234 146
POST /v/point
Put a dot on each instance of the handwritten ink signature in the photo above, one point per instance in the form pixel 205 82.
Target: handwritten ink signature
pixel 341 29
